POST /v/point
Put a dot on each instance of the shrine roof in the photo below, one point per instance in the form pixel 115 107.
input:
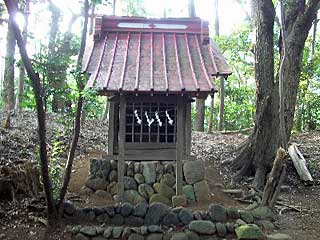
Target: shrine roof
pixel 141 55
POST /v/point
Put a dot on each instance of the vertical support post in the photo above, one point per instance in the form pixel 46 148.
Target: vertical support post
pixel 121 142
pixel 188 128
pixel 179 144
pixel 111 129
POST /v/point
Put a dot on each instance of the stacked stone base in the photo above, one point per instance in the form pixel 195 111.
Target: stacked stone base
pixel 150 181
pixel 158 221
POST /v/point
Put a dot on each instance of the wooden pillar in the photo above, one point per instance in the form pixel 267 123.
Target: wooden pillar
pixel 121 146
pixel 180 144
pixel 188 128
pixel 111 129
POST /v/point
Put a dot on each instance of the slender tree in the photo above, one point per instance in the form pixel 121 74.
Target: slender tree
pixel 22 72
pixel 257 153
pixel 216 30
pixel 77 122
pixel 8 81
pixel 200 102
pixel 38 92
pixel 52 213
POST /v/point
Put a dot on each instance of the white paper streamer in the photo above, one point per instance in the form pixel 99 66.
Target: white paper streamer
pixel 150 121
pixel 170 121
pixel 139 121
pixel 158 119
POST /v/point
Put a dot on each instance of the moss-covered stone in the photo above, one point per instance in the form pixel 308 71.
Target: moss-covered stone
pixel 164 190
pixel 250 231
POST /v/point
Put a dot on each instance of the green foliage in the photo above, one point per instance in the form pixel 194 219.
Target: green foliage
pixel 237 49
pixel 239 107
pixel 134 8
pixel 308 104
pixel 56 166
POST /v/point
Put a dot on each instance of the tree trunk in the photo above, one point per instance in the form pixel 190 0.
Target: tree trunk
pixel 114 4
pixel 257 154
pixel 8 81
pixel 93 7
pixel 259 151
pixel 302 106
pixel 21 68
pixel 210 124
pixel 199 117
pixel 216 27
pixel 77 122
pixel 36 83
pixel 221 105
pixel 106 110
pixel 200 103
pixel 191 8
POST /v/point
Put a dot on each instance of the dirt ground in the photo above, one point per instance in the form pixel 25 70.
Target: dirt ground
pixel 24 218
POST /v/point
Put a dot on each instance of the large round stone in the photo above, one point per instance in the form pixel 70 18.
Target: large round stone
pixel 112 188
pixel 217 213
pixel 145 190
pixel 221 229
pixel 202 227
pixel 103 218
pixel 117 220
pixel 155 213
pixel 179 236
pixel 250 231
pixel 97 184
pixel 89 231
pixel 99 168
pixel 130 169
pixel 140 210
pixel 168 179
pixel 179 201
pixel 185 216
pixel 133 197
pixel 170 219
pixel 188 191
pixel 139 178
pixel 135 236
pixel 126 209
pixel 202 191
pixel 149 172
pixel 164 190
pixel 117 231
pixel 134 221
pixel 129 183
pixel 157 198
pixel 137 167
pixel 194 171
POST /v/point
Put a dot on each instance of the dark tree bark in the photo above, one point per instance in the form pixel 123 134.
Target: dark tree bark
pixel 199 117
pixel 77 122
pixel 257 154
pixel 221 105
pixel 22 72
pixel 36 84
pixel 8 81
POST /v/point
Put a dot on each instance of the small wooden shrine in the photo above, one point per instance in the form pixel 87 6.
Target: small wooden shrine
pixel 151 69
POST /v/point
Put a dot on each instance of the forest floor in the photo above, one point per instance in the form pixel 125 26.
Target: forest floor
pixel 24 217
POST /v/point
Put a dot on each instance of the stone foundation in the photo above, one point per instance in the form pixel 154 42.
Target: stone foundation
pixel 144 221
pixel 150 181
